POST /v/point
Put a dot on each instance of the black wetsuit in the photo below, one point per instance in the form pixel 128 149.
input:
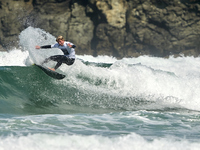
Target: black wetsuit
pixel 68 57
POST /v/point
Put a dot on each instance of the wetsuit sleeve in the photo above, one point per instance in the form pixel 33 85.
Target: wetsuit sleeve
pixel 73 46
pixel 45 46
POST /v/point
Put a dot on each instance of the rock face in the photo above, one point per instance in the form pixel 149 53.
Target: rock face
pixel 120 28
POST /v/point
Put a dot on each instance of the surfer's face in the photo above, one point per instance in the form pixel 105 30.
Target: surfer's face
pixel 61 42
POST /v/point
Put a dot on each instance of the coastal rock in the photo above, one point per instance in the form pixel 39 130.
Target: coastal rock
pixel 12 14
pixel 114 10
pixel 80 29
pixel 120 28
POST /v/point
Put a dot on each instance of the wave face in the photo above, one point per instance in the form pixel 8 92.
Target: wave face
pixel 101 83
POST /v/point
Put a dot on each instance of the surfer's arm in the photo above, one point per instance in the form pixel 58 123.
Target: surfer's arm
pixel 71 45
pixel 45 46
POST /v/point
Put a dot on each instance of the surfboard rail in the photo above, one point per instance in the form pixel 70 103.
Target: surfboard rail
pixel 51 73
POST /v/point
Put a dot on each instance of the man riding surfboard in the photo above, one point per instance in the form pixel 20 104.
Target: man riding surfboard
pixel 66 47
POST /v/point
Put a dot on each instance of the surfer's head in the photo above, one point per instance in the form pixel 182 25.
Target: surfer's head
pixel 60 40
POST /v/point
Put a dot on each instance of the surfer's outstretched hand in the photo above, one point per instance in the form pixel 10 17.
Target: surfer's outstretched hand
pixel 37 47
pixel 69 45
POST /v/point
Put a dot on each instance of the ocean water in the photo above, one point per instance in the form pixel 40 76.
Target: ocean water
pixel 144 103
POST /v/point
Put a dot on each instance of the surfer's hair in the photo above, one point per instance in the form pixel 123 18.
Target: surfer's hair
pixel 59 38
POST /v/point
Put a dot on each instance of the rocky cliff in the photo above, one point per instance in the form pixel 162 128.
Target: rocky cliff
pixel 121 28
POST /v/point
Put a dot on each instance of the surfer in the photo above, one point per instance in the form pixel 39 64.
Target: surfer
pixel 66 47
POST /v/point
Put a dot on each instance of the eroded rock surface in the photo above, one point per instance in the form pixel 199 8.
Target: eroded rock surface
pixel 121 28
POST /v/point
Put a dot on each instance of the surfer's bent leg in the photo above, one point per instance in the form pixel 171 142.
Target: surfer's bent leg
pixel 69 61
pixel 64 59
pixel 58 65
pixel 54 58
pixel 46 60
pixel 59 59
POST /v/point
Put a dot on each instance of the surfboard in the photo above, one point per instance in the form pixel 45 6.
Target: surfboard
pixel 51 73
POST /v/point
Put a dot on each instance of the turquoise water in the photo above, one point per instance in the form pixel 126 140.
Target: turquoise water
pixel 103 103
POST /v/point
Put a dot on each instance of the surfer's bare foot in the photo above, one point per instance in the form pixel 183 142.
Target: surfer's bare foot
pixel 52 69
